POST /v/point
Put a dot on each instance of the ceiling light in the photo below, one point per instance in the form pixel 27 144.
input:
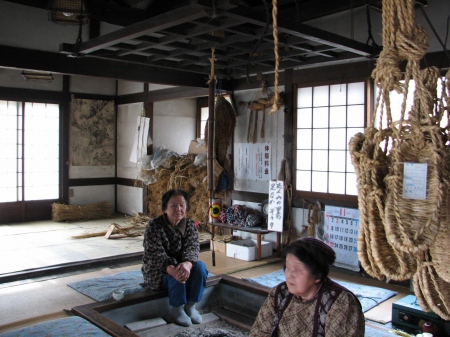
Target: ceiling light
pixel 67 12
pixel 37 76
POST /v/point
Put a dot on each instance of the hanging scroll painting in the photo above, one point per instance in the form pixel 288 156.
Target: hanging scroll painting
pixel 92 132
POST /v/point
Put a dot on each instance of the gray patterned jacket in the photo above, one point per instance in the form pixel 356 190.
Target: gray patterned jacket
pixel 164 245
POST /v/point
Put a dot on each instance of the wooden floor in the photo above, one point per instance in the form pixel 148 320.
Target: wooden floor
pixel 49 245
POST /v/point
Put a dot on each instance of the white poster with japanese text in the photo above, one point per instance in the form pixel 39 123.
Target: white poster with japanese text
pixel 276 206
pixel 141 139
pixel 253 161
pixel 341 233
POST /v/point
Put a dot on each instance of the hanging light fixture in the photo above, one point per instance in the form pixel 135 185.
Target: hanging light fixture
pixel 67 12
pixel 37 76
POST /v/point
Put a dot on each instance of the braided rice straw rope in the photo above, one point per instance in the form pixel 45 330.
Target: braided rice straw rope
pixel 276 105
pixel 412 225
pixel 439 250
pixel 431 290
pixel 413 228
pixel 391 227
pixel 378 258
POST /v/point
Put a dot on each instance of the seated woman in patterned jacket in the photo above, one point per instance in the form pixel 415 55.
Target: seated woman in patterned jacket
pixel 170 261
pixel 309 303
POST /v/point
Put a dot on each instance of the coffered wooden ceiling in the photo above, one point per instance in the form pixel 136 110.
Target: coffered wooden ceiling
pixel 179 36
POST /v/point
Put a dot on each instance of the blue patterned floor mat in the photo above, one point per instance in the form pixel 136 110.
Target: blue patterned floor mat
pixel 62 327
pixel 101 288
pixel 367 295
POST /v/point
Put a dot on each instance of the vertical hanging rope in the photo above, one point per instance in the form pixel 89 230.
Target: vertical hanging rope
pixel 275 105
pixel 211 141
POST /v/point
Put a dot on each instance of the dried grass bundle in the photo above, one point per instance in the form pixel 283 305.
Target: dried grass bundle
pixel 433 291
pixel 188 177
pixel 138 220
pixel 131 230
pixel 99 210
pixel 224 125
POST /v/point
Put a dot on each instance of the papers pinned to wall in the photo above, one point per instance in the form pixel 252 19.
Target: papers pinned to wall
pixel 276 206
pixel 253 161
pixel 141 139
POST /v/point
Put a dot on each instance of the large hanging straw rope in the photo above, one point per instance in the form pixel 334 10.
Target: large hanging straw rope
pixel 275 106
pixel 393 227
pixel 378 258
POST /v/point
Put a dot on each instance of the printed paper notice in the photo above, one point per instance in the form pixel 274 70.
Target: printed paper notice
pixel 276 206
pixel 141 139
pixel 415 181
pixel 253 161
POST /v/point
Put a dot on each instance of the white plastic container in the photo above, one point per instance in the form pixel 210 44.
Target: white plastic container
pixel 246 249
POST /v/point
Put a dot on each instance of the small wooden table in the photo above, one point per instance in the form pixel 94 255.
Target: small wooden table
pixel 254 230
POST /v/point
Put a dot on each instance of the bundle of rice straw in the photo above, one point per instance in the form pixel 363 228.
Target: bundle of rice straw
pixel 99 210
pixel 188 177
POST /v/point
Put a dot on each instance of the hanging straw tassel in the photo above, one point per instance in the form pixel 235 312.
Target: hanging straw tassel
pixel 249 130
pixel 255 129
pixel 263 125
pixel 313 218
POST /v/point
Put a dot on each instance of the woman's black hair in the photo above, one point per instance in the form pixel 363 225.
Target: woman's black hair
pixel 172 193
pixel 315 254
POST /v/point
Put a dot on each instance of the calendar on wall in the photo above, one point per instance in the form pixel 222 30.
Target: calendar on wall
pixel 341 226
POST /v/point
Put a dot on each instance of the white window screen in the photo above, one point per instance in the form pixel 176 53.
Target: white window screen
pixel 29 151
pixel 327 117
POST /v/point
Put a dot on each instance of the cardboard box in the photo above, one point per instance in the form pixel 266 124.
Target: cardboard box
pixel 196 148
pixel 246 249
pixel 219 246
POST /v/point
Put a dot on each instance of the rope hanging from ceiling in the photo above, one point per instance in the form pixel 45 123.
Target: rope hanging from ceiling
pixel 397 231
pixel 276 105
pixel 224 118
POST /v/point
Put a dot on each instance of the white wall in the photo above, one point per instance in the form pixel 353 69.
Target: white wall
pixel 85 195
pixel 130 199
pixel 174 124
pixel 29 27
pixel 274 126
pixel 127 115
pixel 92 85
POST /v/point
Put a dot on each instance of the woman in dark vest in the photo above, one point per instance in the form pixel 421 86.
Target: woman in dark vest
pixel 170 261
pixel 309 303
